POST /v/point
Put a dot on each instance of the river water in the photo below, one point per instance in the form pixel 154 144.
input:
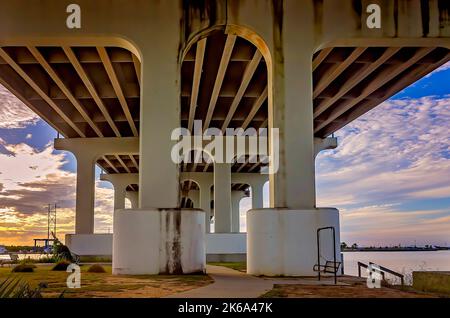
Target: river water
pixel 402 262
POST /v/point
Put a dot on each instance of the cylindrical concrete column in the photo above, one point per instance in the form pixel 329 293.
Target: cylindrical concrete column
pixel 205 204
pixel 194 195
pixel 85 194
pixel 284 242
pixel 158 241
pixel 257 196
pixel 133 196
pixel 291 112
pixel 236 197
pixel 222 197
pixel 119 196
pixel 160 112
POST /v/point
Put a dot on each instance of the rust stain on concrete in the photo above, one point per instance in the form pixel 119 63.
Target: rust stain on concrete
pixel 172 229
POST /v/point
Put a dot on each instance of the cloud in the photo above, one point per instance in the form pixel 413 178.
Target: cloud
pixel 385 225
pixel 397 153
pixel 444 67
pixel 30 180
pixel 14 113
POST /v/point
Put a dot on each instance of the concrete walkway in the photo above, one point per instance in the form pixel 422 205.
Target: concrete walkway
pixel 229 283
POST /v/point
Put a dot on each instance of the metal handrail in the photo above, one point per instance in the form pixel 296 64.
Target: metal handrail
pixel 383 271
pixel 334 250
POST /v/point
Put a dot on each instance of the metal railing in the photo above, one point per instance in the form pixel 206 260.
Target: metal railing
pixel 334 250
pixel 383 272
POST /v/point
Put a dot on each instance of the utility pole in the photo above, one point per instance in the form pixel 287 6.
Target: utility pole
pixel 48 223
pixel 51 226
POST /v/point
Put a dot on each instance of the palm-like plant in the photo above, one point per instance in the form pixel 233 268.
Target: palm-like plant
pixel 14 287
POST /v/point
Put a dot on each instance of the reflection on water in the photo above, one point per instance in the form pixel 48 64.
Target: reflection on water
pixel 401 262
pixel 32 256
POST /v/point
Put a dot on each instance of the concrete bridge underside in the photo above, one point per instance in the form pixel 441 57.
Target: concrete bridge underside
pixel 117 87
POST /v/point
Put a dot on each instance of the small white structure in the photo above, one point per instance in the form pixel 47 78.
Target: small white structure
pixel 98 245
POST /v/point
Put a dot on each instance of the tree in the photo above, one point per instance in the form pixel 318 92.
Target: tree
pixel 354 246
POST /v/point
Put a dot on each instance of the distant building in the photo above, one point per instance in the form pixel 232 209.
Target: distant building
pixel 2 249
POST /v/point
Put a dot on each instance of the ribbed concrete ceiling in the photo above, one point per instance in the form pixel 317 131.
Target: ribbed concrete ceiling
pixel 349 82
pixel 95 91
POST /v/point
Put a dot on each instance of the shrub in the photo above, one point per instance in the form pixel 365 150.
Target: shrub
pixel 61 266
pixel 24 268
pixel 46 259
pixel 96 269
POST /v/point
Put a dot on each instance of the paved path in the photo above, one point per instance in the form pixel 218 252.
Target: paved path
pixel 229 283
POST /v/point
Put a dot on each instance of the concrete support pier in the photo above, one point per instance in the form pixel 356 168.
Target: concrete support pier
pixel 222 198
pixel 159 241
pixel 283 242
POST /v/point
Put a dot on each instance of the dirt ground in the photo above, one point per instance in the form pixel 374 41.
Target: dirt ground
pixel 105 285
pixel 356 288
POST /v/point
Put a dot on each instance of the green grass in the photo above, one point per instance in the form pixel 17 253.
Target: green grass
pixel 239 266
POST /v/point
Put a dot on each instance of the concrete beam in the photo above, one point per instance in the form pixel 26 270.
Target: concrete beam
pixel 117 88
pixel 321 144
pixel 120 183
pixel 87 81
pixel 97 147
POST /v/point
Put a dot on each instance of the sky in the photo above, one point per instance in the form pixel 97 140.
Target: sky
pixel 389 176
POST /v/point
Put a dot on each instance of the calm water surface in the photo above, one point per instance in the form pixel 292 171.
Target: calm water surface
pixel 401 262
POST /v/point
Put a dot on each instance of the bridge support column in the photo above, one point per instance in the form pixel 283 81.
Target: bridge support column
pixel 159 237
pixel 120 183
pixel 205 203
pixel 87 151
pixel 119 198
pixel 222 197
pixel 236 197
pixel 282 240
pixel 85 193
pixel 257 195
pixel 194 195
pixel 85 187
pixel 133 196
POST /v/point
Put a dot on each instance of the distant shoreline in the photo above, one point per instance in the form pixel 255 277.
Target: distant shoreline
pixel 396 250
